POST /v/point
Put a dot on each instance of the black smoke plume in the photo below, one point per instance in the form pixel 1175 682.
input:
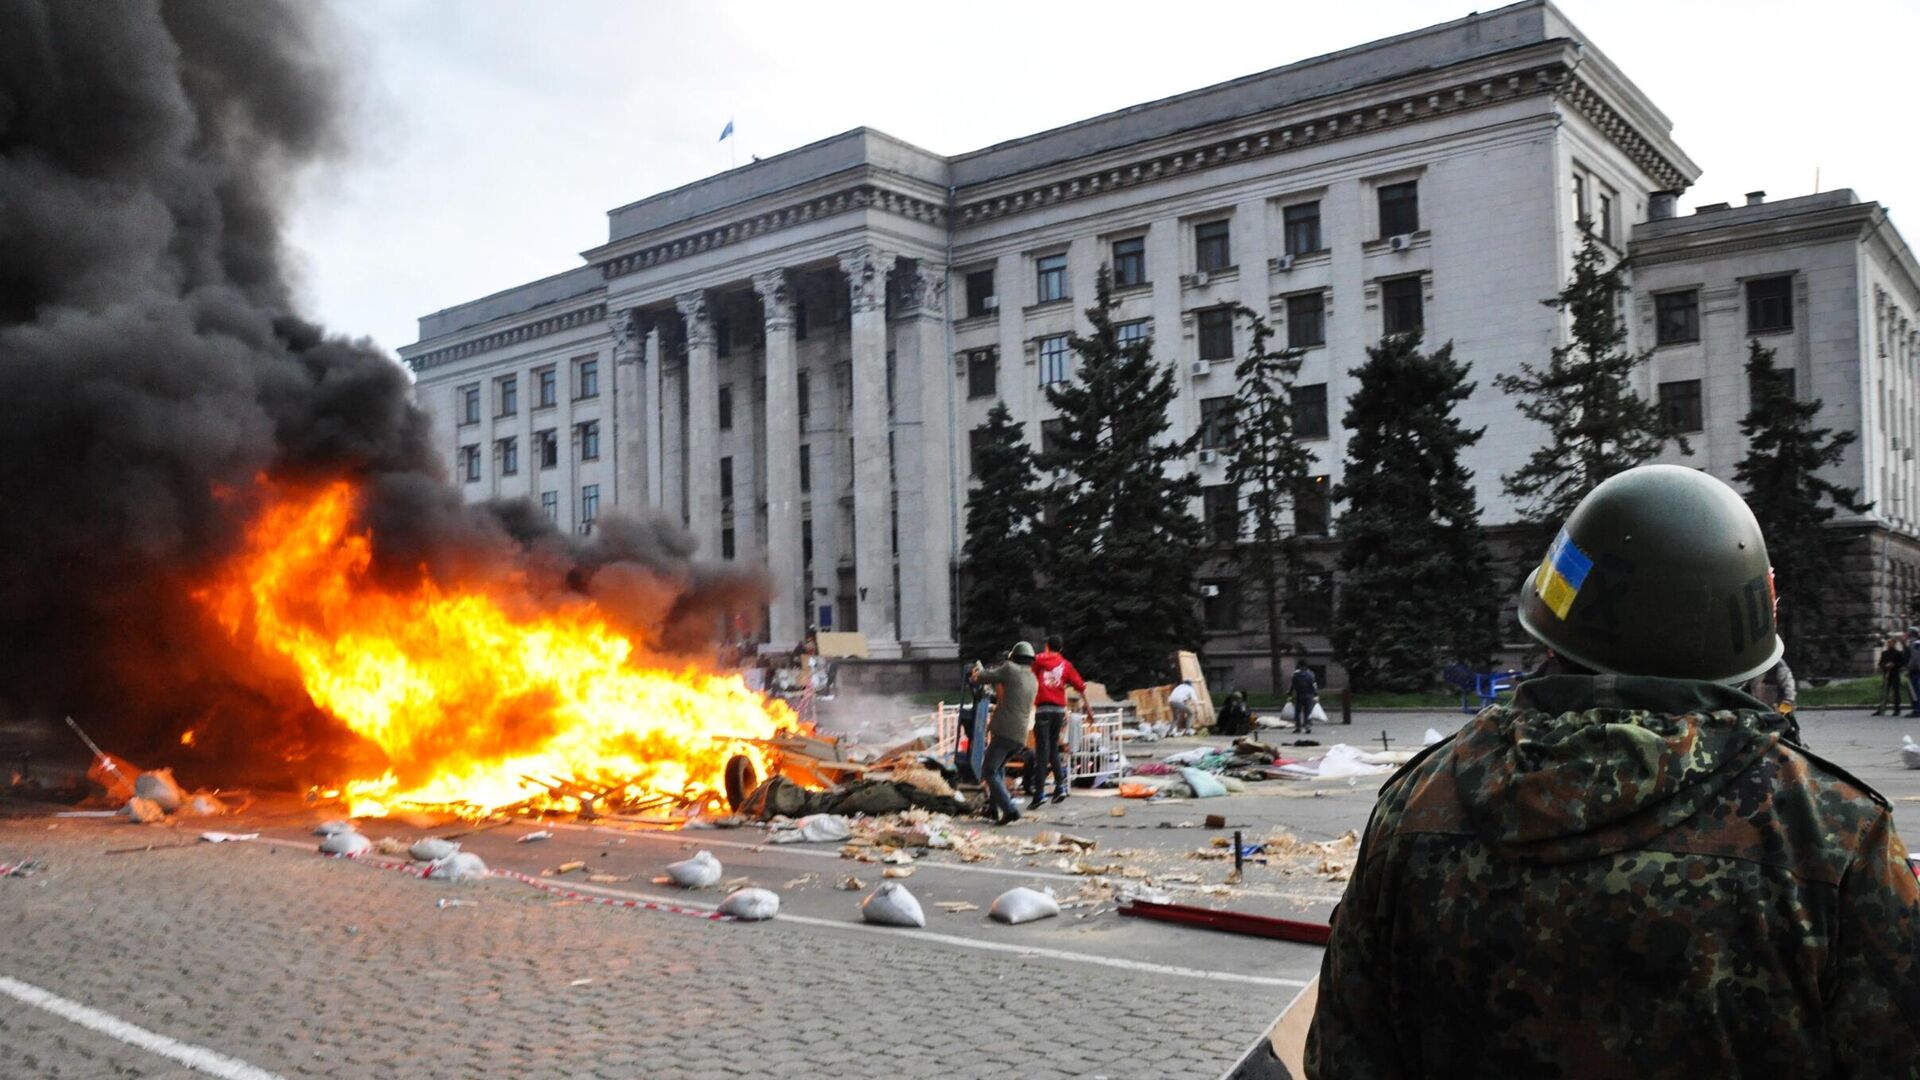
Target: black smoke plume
pixel 150 361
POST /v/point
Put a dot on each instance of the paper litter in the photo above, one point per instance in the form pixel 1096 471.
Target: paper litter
pixel 892 905
pixel 750 905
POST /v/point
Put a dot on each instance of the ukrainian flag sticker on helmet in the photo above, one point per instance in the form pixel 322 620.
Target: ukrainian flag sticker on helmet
pixel 1561 574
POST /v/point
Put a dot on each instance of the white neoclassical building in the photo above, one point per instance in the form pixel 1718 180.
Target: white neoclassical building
pixel 791 356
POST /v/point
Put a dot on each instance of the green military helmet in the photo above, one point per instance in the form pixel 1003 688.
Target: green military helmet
pixel 1021 653
pixel 1660 570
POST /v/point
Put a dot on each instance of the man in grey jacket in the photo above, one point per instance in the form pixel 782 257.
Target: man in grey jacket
pixel 1007 728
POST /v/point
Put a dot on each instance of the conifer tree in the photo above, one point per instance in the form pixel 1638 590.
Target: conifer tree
pixel 1597 425
pixel 1781 479
pixel 1267 465
pixel 1121 537
pixel 1417 588
pixel 1001 558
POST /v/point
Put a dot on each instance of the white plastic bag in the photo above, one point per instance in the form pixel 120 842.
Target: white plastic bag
pixel 431 849
pixel 158 785
pixel 458 866
pixel 699 872
pixel 345 842
pixel 1343 760
pixel 892 905
pixel 1016 906
pixel 814 829
pixel 751 905
pixel 1910 752
pixel 1317 716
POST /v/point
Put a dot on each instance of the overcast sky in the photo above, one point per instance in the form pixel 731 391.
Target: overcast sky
pixel 491 138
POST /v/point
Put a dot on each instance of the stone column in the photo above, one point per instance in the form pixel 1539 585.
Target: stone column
pixel 655 405
pixel 866 268
pixel 922 411
pixel 629 410
pixel 786 611
pixel 703 425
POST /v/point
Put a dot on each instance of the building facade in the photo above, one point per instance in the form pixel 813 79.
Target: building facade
pixel 791 356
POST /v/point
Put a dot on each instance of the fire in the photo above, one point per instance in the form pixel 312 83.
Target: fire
pixel 186 737
pixel 471 692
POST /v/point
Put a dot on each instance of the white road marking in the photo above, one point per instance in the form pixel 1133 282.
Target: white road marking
pixel 198 1058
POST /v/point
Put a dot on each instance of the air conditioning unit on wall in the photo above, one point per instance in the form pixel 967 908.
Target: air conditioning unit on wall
pixel 1208 457
pixel 1401 242
pixel 1209 590
pixel 1201 368
pixel 1284 262
pixel 991 303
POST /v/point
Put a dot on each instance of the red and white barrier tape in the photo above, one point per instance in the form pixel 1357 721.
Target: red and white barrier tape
pixel 422 870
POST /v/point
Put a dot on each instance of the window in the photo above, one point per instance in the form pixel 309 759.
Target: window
pixel 722 337
pixel 1135 332
pixel 983 367
pixel 1216 333
pixel 1216 422
pixel 470 463
pixel 1302 227
pixel 1052 432
pixel 980 298
pixel 977 441
pixel 469 404
pixel 1310 411
pixel 1220 605
pixel 589 505
pixel 726 479
pixel 803 389
pixel 1606 216
pixel 509 451
pixel 806 542
pixel 1050 278
pixel 726 408
pixel 550 505
pixel 1580 199
pixel 589 435
pixel 806 468
pixel 1680 405
pixel 1401 307
pixel 800 320
pixel 545 383
pixel 1306 320
pixel 1399 208
pixel 726 543
pixel 507 392
pixel 1129 262
pixel 1053 359
pixel 586 379
pixel 1310 601
pixel 1212 246
pixel 1676 317
pixel 1770 305
pixel 546 448
pixel 1312 507
pixel 1220 513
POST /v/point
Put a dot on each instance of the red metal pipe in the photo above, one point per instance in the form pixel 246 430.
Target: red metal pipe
pixel 1232 922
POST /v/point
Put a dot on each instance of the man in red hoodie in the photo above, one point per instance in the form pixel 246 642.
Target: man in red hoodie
pixel 1055 673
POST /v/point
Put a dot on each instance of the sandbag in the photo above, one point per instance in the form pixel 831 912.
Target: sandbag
pixel 346 842
pixel 814 829
pixel 1910 753
pixel 1205 785
pixel 204 804
pixel 892 905
pixel 458 866
pixel 751 905
pixel 158 786
pixel 328 828
pixel 431 849
pixel 699 872
pixel 1016 906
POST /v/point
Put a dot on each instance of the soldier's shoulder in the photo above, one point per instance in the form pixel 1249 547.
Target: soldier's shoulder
pixel 1833 785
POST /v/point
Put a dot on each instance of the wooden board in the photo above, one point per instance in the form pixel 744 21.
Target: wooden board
pixel 1289 1033
pixel 1191 672
pixel 841 643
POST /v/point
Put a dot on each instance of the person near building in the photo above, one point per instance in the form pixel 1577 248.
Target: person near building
pixel 1014 686
pixel 970 741
pixel 1183 703
pixel 1913 668
pixel 1892 666
pixel 1774 687
pixel 1304 691
pixel 1235 718
pixel 1635 819
pixel 1054 673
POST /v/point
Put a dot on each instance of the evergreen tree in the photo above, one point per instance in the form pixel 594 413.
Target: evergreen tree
pixel 1794 503
pixel 1267 465
pixel 1121 539
pixel 1417 588
pixel 1597 424
pixel 1001 559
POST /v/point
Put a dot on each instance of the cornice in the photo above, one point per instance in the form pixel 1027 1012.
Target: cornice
pixel 862 196
pixel 1700 245
pixel 527 331
pixel 1588 102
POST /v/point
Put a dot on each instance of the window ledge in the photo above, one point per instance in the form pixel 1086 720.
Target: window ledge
pixel 1047 305
pixel 1317 257
pixel 1417 239
pixel 1676 344
pixel 972 322
pixel 1135 289
pixel 1200 279
pixel 1771 331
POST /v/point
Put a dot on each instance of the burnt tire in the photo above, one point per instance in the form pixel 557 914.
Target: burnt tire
pixel 741 780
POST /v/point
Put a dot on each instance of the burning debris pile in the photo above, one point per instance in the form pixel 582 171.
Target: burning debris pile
pixel 227 537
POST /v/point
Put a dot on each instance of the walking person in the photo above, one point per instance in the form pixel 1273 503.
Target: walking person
pixel 968 760
pixel 1305 692
pixel 1054 673
pixel 1007 727
pixel 1893 672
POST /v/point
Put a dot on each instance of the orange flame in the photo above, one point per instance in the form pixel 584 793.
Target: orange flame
pixel 186 737
pixel 470 692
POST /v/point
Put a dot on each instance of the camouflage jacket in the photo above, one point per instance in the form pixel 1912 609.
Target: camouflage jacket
pixel 1623 877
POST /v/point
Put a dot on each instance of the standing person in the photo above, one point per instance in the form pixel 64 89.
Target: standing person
pixel 1774 687
pixel 1007 728
pixel 1586 880
pixel 1235 718
pixel 1182 704
pixel 1054 674
pixel 1893 671
pixel 968 762
pixel 1913 668
pixel 1305 691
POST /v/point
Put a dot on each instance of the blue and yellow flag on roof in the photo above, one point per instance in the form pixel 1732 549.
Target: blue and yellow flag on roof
pixel 1561 574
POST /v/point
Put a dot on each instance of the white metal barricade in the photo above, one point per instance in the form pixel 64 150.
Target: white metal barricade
pixel 1094 752
pixel 946 730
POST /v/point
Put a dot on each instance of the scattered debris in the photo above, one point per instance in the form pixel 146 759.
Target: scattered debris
pixel 1233 922
pixel 144 811
pixel 390 845
pixel 750 905
pixel 531 837
pixel 700 872
pixel 569 866
pixel 892 905
pixel 609 879
pixel 580 982
pixel 955 907
pixel 228 837
pixel 159 788
pixel 897 872
pixel 1021 905
pixel 21 868
pixel 454 901
pixel 1117 811
pixel 850 884
pixel 803 879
